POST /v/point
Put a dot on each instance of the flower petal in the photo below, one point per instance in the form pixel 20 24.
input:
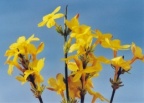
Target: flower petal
pixel 40 47
pixel 77 76
pixel 72 66
pixel 56 10
pixel 52 82
pixel 10 69
pixel 59 15
pixel 43 23
pixel 21 79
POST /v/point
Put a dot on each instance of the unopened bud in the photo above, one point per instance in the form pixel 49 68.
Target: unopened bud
pixel 59 29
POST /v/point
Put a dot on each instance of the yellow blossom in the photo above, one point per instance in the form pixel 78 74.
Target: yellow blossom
pixel 101 37
pixel 81 45
pixel 21 51
pixel 31 49
pixel 78 70
pixel 34 69
pixel 74 87
pixel 118 62
pixel 21 41
pixel 114 44
pixel 81 34
pixel 77 30
pixel 49 20
pixel 11 66
pixel 73 22
pixel 21 79
pixel 57 84
pixel 137 51
pixel 22 46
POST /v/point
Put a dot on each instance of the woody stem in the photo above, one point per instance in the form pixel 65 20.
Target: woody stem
pixel 114 90
pixel 65 55
pixel 82 93
pixel 31 79
pixel 66 73
pixel 83 80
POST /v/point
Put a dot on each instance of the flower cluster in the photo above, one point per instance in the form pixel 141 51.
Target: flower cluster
pixel 23 55
pixel 83 65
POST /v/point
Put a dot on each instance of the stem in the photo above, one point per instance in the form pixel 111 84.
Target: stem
pixel 65 55
pixel 83 80
pixel 66 72
pixel 31 79
pixel 25 63
pixel 114 90
pixel 82 97
pixel 112 96
pixel 82 93
pixel 40 99
pixel 33 83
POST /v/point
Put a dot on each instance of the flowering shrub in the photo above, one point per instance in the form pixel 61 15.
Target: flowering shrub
pixel 80 42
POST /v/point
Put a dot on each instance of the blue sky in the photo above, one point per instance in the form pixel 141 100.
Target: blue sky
pixel 123 18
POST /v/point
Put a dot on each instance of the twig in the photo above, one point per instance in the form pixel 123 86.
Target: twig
pixel 114 89
pixel 65 55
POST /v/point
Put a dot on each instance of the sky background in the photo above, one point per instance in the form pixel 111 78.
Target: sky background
pixel 122 18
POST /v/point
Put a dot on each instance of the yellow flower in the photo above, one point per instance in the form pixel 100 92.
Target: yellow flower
pixel 57 84
pixel 94 67
pixel 21 47
pixel 76 67
pixel 83 41
pixel 118 62
pixel 13 62
pixel 82 44
pixel 101 37
pixel 34 69
pixel 74 88
pixel 31 49
pixel 114 44
pixel 82 34
pixel 77 30
pixel 73 22
pixel 21 41
pixel 11 66
pixel 49 20
pixel 137 51
pixel 31 39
